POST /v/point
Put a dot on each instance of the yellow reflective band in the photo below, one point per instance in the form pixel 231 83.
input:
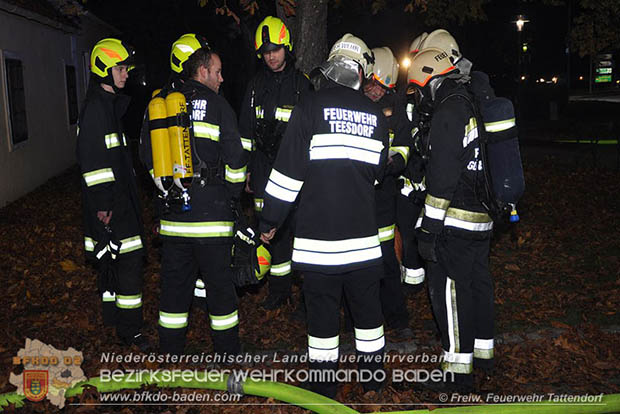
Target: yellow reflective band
pixel 235 175
pixel 369 340
pixel 258 204
pixel 437 202
pixel 206 130
pixel 89 244
pixel 471 132
pixel 281 269
pixel 111 141
pixel 483 348
pixel 500 125
pixel 108 297
pixel 247 144
pixel 196 229
pixel 130 244
pixel 104 175
pixel 221 323
pixel 386 233
pixel 129 302
pixel 283 114
pixel 323 349
pixel 173 320
pixel 403 151
pixel 260 114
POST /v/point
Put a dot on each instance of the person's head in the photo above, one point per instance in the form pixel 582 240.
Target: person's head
pixel 272 42
pixel 349 62
pixel 110 63
pixel 183 48
pixel 205 66
pixel 384 76
pixel 427 72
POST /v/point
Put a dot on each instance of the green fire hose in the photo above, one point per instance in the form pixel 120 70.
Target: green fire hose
pixel 318 403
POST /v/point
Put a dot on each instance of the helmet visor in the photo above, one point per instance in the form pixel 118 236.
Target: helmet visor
pixel 342 70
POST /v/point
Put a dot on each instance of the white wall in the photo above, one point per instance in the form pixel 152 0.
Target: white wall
pixel 50 147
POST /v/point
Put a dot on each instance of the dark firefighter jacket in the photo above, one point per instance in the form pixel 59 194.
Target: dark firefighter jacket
pixel 216 150
pixel 108 178
pixel 333 153
pixel 399 150
pixel 265 113
pixel 454 170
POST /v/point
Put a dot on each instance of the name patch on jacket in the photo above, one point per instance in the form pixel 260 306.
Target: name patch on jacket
pixel 346 121
pixel 199 109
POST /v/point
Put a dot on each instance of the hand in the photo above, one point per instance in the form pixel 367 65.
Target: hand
pixel 104 216
pixel 247 184
pixel 426 245
pixel 266 237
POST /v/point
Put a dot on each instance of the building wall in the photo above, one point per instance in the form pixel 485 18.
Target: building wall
pixel 44 52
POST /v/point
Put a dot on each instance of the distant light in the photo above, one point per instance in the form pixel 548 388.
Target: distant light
pixel 520 22
pixel 406 63
pixel 522 78
pixel 542 80
pixel 581 78
pixel 618 81
pixel 554 79
pixel 143 83
pixel 524 48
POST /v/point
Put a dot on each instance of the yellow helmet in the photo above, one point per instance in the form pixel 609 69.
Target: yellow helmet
pixel 414 48
pixel 264 261
pixel 443 40
pixel 108 53
pixel 272 34
pixel 385 69
pixel 183 48
pixel 429 64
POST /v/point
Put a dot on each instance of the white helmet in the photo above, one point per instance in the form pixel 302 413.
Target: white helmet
pixel 417 42
pixel 346 56
pixel 386 67
pixel 442 39
pixel 428 69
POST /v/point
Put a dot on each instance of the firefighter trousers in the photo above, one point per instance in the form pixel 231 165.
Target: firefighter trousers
pixel 323 294
pixel 391 289
pixel 406 216
pixel 178 280
pixel 281 249
pixel 461 294
pixel 123 308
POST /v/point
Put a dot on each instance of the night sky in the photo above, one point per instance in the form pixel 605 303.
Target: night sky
pixel 492 44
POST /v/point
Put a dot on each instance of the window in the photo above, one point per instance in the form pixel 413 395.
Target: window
pixel 18 126
pixel 72 100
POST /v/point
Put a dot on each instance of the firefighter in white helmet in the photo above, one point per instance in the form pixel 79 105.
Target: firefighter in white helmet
pixel 454 228
pixel 334 149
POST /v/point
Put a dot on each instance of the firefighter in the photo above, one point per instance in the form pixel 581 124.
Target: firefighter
pixel 181 50
pixel 270 97
pixel 334 150
pixel 111 206
pixel 381 88
pixel 200 237
pixel 454 229
pixel 410 199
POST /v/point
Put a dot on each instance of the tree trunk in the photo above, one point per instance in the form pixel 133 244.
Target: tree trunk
pixel 310 34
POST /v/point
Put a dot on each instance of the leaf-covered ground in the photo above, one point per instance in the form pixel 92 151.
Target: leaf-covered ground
pixel 556 279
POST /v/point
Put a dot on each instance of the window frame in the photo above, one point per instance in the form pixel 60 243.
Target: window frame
pixel 4 55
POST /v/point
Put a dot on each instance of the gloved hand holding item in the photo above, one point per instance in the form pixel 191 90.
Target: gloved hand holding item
pixel 427 245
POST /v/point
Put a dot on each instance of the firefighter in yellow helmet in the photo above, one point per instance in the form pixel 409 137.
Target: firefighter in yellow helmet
pixel 181 50
pixel 269 100
pixel 334 149
pixel 443 40
pixel 111 205
pixel 454 228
